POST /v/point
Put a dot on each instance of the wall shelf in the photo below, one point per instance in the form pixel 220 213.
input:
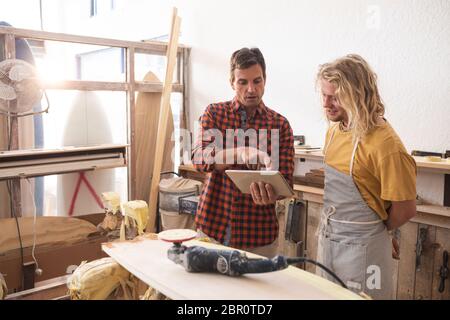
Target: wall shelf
pixel 437 167
pixel 33 163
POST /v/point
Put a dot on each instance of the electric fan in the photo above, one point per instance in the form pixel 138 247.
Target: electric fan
pixel 19 88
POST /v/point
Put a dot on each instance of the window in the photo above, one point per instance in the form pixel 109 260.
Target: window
pixel 93 11
pixel 101 6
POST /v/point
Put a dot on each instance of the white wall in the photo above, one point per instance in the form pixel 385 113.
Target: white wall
pixel 408 46
pixel 21 13
pixel 406 41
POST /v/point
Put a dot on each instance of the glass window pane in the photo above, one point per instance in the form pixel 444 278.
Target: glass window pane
pixel 74 61
pixel 155 63
pixel 85 118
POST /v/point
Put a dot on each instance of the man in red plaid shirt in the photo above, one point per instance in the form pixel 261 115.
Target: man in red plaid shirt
pixel 242 134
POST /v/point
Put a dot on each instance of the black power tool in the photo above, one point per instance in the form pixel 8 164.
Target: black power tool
pixel 229 262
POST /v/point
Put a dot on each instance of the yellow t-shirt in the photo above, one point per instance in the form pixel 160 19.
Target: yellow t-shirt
pixel 383 170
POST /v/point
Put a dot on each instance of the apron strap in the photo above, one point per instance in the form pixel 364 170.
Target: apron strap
pixel 325 149
pixel 325 217
pixel 356 222
pixel 353 156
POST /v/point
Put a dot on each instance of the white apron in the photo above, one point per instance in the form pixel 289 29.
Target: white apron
pixel 353 240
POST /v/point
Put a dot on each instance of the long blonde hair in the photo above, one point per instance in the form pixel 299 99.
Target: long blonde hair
pixel 356 91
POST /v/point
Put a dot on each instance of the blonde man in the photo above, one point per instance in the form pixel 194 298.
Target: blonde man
pixel 370 179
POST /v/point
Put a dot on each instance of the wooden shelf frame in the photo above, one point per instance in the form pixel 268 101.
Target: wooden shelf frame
pixel 434 215
pixel 130 86
pixel 33 163
pixel 429 214
pixel 436 167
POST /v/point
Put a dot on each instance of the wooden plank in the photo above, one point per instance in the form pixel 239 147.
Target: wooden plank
pixel 55 259
pixel 422 164
pixel 147 259
pixel 178 68
pixel 427 214
pixel 310 197
pixel 5 209
pixel 185 123
pixel 9 46
pixel 311 155
pixel 407 263
pixel 424 274
pixel 46 290
pixel 163 120
pixel 131 130
pixel 48 230
pixel 94 218
pixel 440 167
pixel 58 168
pixel 154 47
pixel 434 209
pixel 442 243
pixel 65 150
pixel 184 167
pixel 15 194
pixel 447 190
pixel 156 87
pixel 13 164
pixel 146 128
pixel 308 189
pixel 432 219
pixel 84 85
pixel 194 175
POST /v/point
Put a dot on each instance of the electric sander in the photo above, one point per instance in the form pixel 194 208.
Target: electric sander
pixel 227 262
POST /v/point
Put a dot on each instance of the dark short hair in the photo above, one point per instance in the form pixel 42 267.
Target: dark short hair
pixel 245 58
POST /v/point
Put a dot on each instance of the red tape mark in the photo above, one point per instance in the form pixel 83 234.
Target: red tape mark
pixel 82 178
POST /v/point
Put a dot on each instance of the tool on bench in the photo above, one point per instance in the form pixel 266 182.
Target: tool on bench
pixel 227 262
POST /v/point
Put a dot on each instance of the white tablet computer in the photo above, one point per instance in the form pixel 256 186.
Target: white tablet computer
pixel 244 178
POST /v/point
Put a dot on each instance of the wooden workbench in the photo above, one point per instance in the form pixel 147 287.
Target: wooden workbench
pixel 147 260
pixel 421 162
pixel 428 231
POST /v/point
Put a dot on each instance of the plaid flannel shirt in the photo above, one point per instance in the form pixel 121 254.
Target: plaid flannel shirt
pixel 221 203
